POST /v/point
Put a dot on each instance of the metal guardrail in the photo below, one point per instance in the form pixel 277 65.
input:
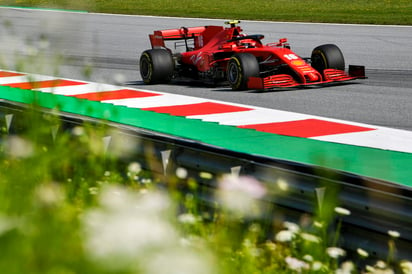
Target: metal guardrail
pixel 376 206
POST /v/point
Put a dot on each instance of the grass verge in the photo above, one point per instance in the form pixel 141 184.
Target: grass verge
pixel 331 11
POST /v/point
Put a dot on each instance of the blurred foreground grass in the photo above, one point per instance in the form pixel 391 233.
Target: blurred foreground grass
pixel 331 11
pixel 71 202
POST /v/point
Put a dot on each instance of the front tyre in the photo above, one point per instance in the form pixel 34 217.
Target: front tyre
pixel 327 56
pixel 156 66
pixel 240 67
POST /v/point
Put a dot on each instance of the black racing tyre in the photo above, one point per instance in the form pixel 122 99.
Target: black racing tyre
pixel 156 66
pixel 240 67
pixel 326 57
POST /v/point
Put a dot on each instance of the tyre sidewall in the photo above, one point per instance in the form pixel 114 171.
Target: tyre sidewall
pixel 244 65
pixel 146 67
pixel 327 56
pixel 156 66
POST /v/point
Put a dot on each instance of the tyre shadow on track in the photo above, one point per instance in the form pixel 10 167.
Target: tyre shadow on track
pixel 301 88
pixel 224 88
pixel 185 84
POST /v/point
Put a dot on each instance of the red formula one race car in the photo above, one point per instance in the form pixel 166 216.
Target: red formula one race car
pixel 215 54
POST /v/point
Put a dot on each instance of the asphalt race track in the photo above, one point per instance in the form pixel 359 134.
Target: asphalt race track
pixel 106 48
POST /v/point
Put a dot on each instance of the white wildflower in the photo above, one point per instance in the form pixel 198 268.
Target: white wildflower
pixel 78 131
pixel 282 184
pixel 363 253
pixel 369 269
pixel 380 264
pixel 308 258
pixel 342 211
pixel 296 264
pixel 284 236
pixel 335 252
pixel 406 267
pixel 310 237
pixel 346 268
pixel 127 224
pixel 187 218
pixel 181 173
pixel 317 265
pixel 205 175
pixel 291 227
pixel 318 224
pixel 241 194
pixel 18 147
pixel 134 168
pixel 394 234
pixel 380 268
pixel 146 181
pixel 372 270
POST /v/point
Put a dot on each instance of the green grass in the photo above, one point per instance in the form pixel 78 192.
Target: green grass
pixel 331 11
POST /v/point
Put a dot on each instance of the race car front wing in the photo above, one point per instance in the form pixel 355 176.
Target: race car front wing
pixel 286 80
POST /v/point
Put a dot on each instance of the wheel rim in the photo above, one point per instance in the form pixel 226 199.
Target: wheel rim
pixel 319 61
pixel 233 73
pixel 145 68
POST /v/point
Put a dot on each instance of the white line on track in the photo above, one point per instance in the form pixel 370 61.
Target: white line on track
pixel 157 101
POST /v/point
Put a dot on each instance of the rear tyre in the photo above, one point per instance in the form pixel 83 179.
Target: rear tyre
pixel 327 56
pixel 240 67
pixel 156 66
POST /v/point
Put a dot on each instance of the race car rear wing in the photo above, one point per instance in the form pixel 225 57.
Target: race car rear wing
pixel 158 38
pixel 200 35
